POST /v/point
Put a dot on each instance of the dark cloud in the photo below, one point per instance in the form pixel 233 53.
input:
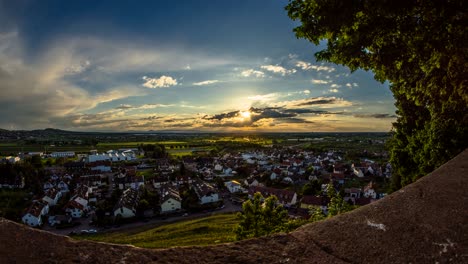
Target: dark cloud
pixel 297 120
pixel 308 111
pixel 380 116
pixel 151 118
pixel 259 114
pixel 318 101
pixel 222 116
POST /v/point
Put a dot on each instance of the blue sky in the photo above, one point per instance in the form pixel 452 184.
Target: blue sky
pixel 161 65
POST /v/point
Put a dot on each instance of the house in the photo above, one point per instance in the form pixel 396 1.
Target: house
pixel 100 166
pixel 81 200
pixel 311 202
pixel 205 192
pixel 47 185
pixel 233 186
pixel 285 197
pixel 63 186
pixel 218 167
pixel 74 209
pixel 35 213
pixel 11 159
pixel 369 191
pixel 82 191
pixel 52 196
pixel 338 177
pixel 160 181
pixel 351 194
pixel 170 200
pixel 275 174
pixel 251 182
pixel 127 204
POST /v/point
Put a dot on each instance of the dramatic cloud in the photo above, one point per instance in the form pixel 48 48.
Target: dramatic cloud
pixel 277 69
pixel 207 82
pixel 308 66
pixel 323 101
pixel 222 116
pixel 163 81
pixel 252 72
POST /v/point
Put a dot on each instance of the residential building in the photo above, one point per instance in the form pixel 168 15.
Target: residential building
pixel 127 204
pixel 170 200
pixel 35 213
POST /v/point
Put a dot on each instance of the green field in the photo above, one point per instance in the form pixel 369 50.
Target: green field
pixel 198 232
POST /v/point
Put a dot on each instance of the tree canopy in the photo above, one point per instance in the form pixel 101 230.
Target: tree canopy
pixel 420 48
pixel 261 217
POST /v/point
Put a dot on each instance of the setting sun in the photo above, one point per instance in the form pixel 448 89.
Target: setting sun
pixel 245 114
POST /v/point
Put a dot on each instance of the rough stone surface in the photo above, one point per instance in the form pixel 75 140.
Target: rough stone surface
pixel 425 222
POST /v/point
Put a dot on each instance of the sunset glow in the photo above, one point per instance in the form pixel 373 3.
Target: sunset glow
pixel 122 69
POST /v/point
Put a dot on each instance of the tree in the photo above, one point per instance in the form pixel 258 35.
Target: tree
pixel 336 206
pixel 261 217
pixel 312 188
pixel 420 48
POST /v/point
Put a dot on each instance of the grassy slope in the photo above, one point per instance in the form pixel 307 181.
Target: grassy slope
pixel 203 231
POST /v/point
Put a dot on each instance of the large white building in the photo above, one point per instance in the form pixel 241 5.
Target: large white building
pixel 63 154
pixel 113 156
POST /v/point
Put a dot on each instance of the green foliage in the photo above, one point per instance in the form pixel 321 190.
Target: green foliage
pixel 261 217
pixel 12 203
pixel 336 206
pixel 312 188
pixel 420 48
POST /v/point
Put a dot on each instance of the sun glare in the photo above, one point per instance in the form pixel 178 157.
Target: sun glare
pixel 245 114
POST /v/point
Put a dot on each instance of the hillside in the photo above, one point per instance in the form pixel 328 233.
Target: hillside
pixel 424 222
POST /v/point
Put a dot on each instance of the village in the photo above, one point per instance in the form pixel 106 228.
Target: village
pixel 91 192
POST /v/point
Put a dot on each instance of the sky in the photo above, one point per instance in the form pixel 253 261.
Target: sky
pixel 216 66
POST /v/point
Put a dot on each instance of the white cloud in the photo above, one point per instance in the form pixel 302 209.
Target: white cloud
pixel 207 82
pixel 308 66
pixel 306 91
pixel 252 72
pixel 335 85
pixel 78 68
pixel 355 85
pixel 316 81
pixel 264 97
pixel 124 106
pixel 163 81
pixel 278 69
pixel 349 85
pixel 333 90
